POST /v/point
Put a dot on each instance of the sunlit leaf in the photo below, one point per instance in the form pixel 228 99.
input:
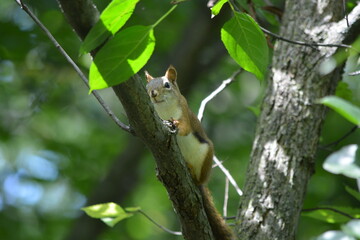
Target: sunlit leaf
pixel 103 210
pixel 111 222
pixel 122 57
pixel 328 215
pixel 114 16
pixel 344 108
pixel 246 44
pixel 334 235
pixel 110 213
pixel 343 162
pixel 217 7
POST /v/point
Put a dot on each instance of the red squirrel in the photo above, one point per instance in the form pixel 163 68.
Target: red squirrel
pixel 196 148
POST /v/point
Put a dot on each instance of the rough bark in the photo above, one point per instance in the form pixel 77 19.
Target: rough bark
pixel 289 126
pixel 172 170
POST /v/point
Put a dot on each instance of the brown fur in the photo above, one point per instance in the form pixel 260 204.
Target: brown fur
pixel 220 230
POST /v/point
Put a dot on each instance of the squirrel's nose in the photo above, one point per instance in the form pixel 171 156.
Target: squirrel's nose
pixel 154 93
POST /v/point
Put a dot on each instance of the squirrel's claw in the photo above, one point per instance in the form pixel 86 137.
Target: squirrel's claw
pixel 171 125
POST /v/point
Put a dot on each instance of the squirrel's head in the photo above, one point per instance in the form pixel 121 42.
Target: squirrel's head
pixel 162 89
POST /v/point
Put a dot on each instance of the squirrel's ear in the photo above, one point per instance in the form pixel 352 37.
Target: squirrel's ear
pixel 171 74
pixel 148 76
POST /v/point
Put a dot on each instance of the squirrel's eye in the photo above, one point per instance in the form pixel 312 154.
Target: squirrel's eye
pixel 167 85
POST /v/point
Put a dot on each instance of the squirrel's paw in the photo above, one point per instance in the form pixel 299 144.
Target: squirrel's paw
pixel 171 125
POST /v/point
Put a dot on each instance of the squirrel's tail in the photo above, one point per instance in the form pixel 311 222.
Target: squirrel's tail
pixel 220 230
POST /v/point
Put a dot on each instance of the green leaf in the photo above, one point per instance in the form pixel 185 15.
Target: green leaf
pixel 114 16
pixel 217 7
pixel 246 44
pixel 103 210
pixel 111 222
pixel 343 162
pixel 330 216
pixel 122 57
pixel 110 213
pixel 344 108
pixel 354 193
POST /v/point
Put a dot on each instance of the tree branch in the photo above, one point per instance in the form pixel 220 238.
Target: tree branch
pixel 218 90
pixel 172 170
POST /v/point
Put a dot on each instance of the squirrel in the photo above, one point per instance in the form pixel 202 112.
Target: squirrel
pixel 196 148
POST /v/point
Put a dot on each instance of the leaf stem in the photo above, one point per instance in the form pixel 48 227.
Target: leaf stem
pixel 232 6
pixel 164 16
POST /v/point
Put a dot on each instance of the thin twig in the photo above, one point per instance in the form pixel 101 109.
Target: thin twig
pixel 158 225
pixel 314 209
pixel 228 175
pixel 226 197
pixel 352 130
pixel 303 43
pixel 328 208
pixel 75 67
pixel 345 14
pixel 216 92
pixel 225 83
pixel 354 73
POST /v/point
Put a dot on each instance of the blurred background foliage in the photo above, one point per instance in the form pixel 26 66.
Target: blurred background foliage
pixel 59 151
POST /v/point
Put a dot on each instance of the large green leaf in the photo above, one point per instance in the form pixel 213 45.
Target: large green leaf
pixel 122 57
pixel 110 213
pixel 332 214
pixel 246 44
pixel 114 16
pixel 344 108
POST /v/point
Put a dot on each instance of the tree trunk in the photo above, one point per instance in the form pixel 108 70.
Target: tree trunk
pixel 289 126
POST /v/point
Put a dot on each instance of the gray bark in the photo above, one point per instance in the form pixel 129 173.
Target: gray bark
pixel 288 129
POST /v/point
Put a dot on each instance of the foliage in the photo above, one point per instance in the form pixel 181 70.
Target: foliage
pixel 246 44
pixel 113 17
pixel 110 213
pixel 346 109
pixel 133 47
pixel 54 139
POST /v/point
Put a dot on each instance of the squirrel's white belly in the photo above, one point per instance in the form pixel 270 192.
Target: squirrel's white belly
pixel 167 111
pixel 194 152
